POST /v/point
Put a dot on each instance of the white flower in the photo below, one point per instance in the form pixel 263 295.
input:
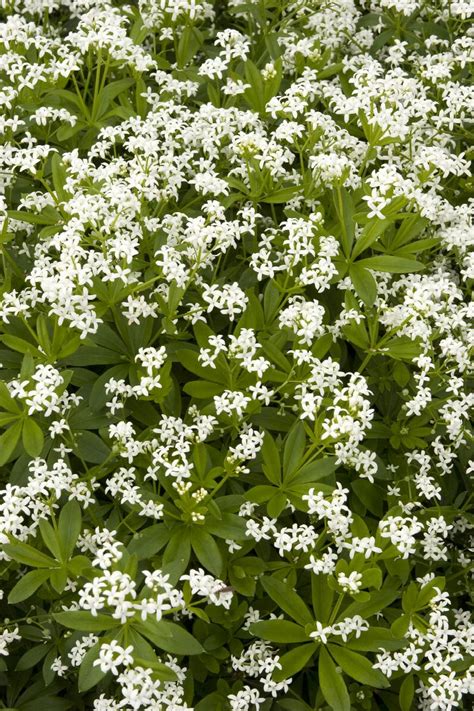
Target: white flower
pixel 112 656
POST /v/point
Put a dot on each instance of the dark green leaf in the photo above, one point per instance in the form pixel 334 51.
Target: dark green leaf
pixel 271 459
pixel 91 447
pixel 202 389
pixel 345 214
pixel 322 597
pixel 85 621
pixel 69 528
pixel 32 436
pixel 387 263
pixel 358 667
pixel 50 538
pixel 286 598
pixel 90 675
pixel 149 541
pixel 364 284
pixel 294 661
pixel 374 639
pixel 8 441
pixel 407 693
pixel 26 554
pixel 332 684
pixel 169 636
pixel 282 631
pixel 313 471
pixel 294 449
pixel 27 585
pixel 34 655
pixel 207 551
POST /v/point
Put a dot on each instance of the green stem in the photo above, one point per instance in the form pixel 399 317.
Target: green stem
pixel 336 608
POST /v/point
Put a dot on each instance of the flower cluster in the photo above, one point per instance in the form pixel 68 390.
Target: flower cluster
pixel 236 354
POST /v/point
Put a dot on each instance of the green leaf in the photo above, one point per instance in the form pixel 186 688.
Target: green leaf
pixel 91 447
pixel 294 449
pixel 409 598
pixel 345 215
pixel 189 42
pixel 407 693
pixel 189 359
pixel 402 348
pixel 50 539
pixel 332 684
pixel 293 661
pixel 19 344
pixel 177 554
pixel 47 217
pixel 149 541
pixel 60 97
pixel 274 353
pixel 313 471
pixel 269 418
pixel 394 265
pixel 271 459
pixel 77 564
pixel 228 526
pixel 254 95
pixel 322 597
pixel 31 657
pixel 372 578
pixel 144 655
pixel 282 631
pixel 27 585
pixel 85 621
pixel 408 230
pixel 8 442
pixel 169 636
pixel 358 667
pixel 58 579
pixel 6 400
pixel 47 672
pixel 419 246
pixel 364 284
pixel 26 554
pixel 281 195
pixel 374 639
pixel 202 389
pixel 161 670
pixel 370 495
pixel 371 232
pixel 277 503
pixel 90 675
pixel 378 600
pixel 94 355
pixel 207 551
pixel 69 527
pixel 356 333
pixel 271 301
pixel 109 93
pixel 286 598
pixel 59 176
pixel 428 591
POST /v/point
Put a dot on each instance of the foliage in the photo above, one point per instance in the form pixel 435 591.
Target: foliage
pixel 235 394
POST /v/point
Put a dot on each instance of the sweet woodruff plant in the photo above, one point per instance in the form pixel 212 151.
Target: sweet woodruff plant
pixel 235 338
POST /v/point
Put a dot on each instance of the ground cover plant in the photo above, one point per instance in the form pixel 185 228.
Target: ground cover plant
pixel 235 338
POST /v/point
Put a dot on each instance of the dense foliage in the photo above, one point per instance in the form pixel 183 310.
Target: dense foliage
pixel 235 354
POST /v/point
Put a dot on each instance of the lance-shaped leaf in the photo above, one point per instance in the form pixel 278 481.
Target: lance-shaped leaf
pixel 332 684
pixel 358 667
pixel 287 599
